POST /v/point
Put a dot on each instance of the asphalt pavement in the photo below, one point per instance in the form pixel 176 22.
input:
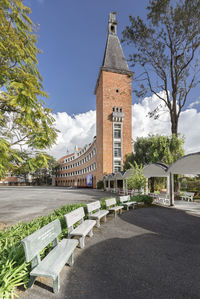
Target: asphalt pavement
pixel 19 204
pixel 143 253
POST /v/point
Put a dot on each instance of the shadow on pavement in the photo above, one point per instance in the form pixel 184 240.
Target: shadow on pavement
pixel 161 261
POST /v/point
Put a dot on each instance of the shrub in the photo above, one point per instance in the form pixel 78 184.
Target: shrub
pixel 137 179
pixel 14 271
pixel 100 185
pixel 143 198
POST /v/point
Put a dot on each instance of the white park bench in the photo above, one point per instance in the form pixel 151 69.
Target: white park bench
pixel 52 264
pixel 84 228
pixel 95 212
pixel 162 199
pixel 125 200
pixel 111 206
pixel 187 196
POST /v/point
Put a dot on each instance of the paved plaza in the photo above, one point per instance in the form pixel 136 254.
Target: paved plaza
pixel 25 203
pixel 143 253
pixel 148 253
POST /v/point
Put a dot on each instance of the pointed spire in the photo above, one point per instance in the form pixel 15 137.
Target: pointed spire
pixel 114 60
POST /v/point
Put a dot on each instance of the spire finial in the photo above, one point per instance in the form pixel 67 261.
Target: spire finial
pixel 112 24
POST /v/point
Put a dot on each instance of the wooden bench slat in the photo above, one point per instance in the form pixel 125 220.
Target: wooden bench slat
pixel 53 263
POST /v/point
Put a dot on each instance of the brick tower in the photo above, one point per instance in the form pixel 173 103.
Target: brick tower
pixel 113 106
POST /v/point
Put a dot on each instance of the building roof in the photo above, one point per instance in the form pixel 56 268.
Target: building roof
pixel 114 60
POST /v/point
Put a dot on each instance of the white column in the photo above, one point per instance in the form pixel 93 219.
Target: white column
pixel 146 187
pixel 171 189
pixel 168 185
pixel 104 184
pixel 109 185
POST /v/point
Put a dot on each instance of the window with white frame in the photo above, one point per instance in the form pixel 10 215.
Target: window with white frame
pixel 117 131
pixel 117 166
pixel 117 150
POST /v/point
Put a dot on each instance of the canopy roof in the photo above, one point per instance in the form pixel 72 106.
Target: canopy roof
pixel 189 164
pixel 155 170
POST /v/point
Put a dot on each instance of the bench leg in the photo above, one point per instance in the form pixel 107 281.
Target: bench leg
pixel 120 211
pixel 98 223
pixel 56 285
pixel 82 242
pixel 127 207
pixel 31 281
pixel 115 214
pixel 71 260
pixel 104 218
pixel 91 232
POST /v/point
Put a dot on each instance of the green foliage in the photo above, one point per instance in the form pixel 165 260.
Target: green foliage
pixel 165 48
pixel 100 185
pixel 143 198
pixel 191 184
pixel 24 119
pixel 137 179
pixel 154 149
pixel 14 271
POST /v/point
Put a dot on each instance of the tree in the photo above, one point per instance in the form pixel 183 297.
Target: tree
pixel 24 119
pixel 137 179
pixel 166 49
pixel 40 165
pixel 154 149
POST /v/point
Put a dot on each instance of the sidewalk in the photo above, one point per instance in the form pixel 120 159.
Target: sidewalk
pixel 143 253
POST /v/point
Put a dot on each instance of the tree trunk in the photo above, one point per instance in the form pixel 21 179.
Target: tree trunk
pixel 174 124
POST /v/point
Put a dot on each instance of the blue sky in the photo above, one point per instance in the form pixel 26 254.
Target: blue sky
pixel 72 36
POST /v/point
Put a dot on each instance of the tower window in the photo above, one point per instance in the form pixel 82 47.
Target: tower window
pixel 117 90
pixel 112 28
pixel 113 109
pixel 120 109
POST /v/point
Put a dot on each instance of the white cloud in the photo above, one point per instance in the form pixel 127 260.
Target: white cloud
pixel 143 125
pixel 74 130
pixel 189 123
pixel 195 103
pixel 81 128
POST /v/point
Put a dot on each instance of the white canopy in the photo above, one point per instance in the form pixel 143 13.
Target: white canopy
pixel 189 164
pixel 155 170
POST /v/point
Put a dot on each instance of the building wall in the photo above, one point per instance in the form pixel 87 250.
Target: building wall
pixel 114 90
pixel 81 164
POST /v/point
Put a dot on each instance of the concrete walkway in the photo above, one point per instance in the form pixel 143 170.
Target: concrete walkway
pixel 144 253
pixel 192 208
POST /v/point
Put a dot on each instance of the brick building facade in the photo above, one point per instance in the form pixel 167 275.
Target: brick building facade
pixel 113 140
